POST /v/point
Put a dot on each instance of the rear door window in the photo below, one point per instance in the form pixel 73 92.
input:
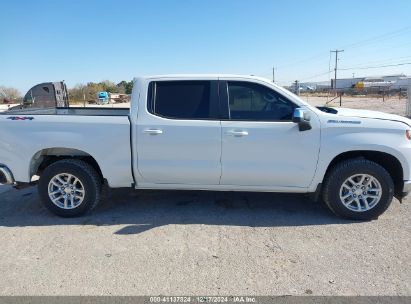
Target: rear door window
pixel 183 100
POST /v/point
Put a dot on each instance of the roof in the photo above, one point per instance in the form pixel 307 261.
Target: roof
pixel 204 76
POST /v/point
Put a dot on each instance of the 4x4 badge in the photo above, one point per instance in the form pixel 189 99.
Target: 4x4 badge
pixel 20 118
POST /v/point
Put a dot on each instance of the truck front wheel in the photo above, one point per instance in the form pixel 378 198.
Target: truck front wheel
pixel 358 189
pixel 70 187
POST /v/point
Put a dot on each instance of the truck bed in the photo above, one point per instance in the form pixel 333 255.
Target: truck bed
pixel 27 135
pixel 79 111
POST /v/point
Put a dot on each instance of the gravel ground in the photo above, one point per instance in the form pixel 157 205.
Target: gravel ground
pixel 201 243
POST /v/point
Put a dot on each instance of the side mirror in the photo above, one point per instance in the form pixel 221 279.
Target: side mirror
pixel 302 117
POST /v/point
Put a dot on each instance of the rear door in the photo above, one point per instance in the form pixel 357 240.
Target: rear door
pixel 261 145
pixel 179 133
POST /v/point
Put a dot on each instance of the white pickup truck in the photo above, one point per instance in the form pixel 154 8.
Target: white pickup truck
pixel 209 132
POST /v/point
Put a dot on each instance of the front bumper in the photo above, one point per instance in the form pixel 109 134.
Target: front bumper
pixel 6 177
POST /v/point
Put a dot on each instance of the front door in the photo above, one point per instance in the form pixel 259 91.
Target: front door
pixel 261 145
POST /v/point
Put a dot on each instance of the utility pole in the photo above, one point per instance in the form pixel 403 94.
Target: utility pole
pixel 335 68
pixel 297 88
pixel 273 74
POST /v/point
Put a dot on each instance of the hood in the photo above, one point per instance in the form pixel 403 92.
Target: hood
pixel 372 114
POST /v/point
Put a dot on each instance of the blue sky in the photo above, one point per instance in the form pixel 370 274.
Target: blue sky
pixel 81 41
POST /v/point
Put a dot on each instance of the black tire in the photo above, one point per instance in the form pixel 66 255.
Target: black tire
pixel 342 171
pixel 87 175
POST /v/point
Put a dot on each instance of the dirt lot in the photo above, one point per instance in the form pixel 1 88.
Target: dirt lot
pixel 392 105
pixel 174 243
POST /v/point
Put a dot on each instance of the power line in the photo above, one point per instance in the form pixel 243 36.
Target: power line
pixel 314 76
pixel 382 61
pixel 380 50
pixel 312 58
pixel 375 67
pixel 357 44
pixel 373 39
pixel 378 38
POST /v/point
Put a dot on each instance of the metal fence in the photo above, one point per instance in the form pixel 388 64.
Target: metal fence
pixel 408 107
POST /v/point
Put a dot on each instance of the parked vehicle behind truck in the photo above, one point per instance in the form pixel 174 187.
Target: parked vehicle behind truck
pixel 102 98
pixel 213 132
pixel 45 95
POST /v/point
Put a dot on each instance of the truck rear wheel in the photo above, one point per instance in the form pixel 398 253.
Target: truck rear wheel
pixel 70 187
pixel 358 189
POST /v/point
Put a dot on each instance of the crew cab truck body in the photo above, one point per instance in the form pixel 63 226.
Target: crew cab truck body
pixel 209 132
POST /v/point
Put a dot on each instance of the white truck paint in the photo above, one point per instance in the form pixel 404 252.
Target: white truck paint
pixel 146 151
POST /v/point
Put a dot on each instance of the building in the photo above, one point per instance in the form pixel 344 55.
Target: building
pixel 390 82
pixel 346 83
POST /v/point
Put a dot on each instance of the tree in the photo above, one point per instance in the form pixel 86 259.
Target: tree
pixel 127 85
pixel 122 87
pixel 89 91
pixel 9 93
pixel 78 93
pixel 109 86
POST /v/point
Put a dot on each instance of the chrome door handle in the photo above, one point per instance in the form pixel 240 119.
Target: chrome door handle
pixel 153 131
pixel 237 133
